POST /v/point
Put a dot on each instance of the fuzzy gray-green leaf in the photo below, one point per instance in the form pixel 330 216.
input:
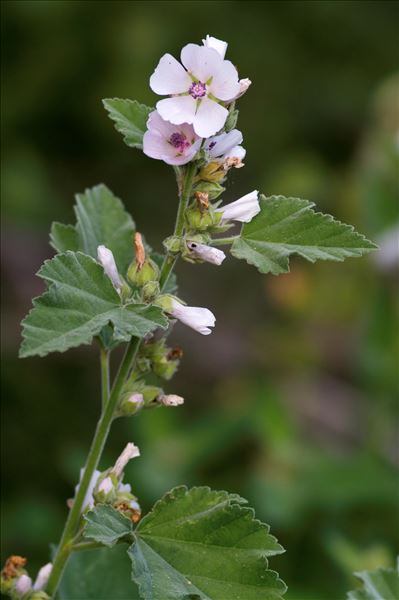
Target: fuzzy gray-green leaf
pixel 64 237
pixel 80 301
pixel 106 525
pixel 130 119
pixel 287 226
pixel 205 545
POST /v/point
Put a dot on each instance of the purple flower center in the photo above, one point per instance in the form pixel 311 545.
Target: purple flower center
pixel 179 141
pixel 197 90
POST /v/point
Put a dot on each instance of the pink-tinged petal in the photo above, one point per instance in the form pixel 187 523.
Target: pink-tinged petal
pixel 236 152
pixel 219 145
pixel 180 109
pixel 172 157
pixel 219 45
pixel 155 145
pixel 169 77
pixel 210 118
pixel 202 62
pixel 155 123
pixel 225 85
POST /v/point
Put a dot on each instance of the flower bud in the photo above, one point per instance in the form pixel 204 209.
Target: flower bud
pixel 105 490
pixel 23 585
pixel 43 577
pixel 198 218
pixel 212 172
pixel 142 269
pixel 231 120
pixel 211 188
pixel 170 400
pixel 131 404
pixel 106 258
pixel 172 244
pixel 39 596
pixel 150 291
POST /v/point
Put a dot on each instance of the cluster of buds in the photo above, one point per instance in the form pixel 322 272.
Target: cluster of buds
pixel 107 488
pixel 16 583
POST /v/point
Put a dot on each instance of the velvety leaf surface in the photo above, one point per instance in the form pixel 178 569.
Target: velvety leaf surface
pixel 130 119
pixel 64 237
pixel 381 584
pixel 106 525
pixel 204 544
pixel 78 304
pixel 102 574
pixel 287 226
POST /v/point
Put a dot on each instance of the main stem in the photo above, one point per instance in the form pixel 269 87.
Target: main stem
pixel 102 431
pixel 66 546
pixel 105 384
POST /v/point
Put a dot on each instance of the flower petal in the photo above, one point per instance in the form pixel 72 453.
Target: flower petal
pixel 202 62
pixel 225 85
pixel 180 109
pixel 169 77
pixel 210 118
pixel 219 45
pixel 243 209
pixel 236 152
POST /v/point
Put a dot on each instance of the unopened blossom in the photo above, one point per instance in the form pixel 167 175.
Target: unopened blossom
pixel 197 88
pixel 174 144
pixel 170 400
pixel 206 253
pixel 106 258
pixel 43 577
pixel 137 399
pixel 23 584
pixel 198 318
pixel 218 45
pixel 244 85
pixel 243 209
pixel 106 485
pixel 226 148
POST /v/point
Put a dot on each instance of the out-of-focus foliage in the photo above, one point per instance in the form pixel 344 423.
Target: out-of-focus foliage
pixel 292 401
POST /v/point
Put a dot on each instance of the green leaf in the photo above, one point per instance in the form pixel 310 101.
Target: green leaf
pixel 106 525
pixel 203 544
pixel 78 304
pixel 64 237
pixel 287 226
pixel 381 584
pixel 102 219
pixel 130 119
pixel 102 574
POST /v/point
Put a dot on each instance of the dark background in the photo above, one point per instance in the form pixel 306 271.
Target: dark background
pixel 292 401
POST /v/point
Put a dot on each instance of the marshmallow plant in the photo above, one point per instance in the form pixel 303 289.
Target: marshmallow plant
pixel 105 284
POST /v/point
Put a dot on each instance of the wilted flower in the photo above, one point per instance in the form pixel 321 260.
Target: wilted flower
pixel 42 577
pixel 226 148
pixel 199 319
pixel 206 253
pixel 243 209
pixel 130 451
pixel 244 85
pixel 170 400
pixel 106 258
pixel 197 89
pixel 174 144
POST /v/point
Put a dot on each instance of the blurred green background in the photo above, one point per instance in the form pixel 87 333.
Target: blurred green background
pixel 292 401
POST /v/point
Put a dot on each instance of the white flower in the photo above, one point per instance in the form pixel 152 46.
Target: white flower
pixel 130 451
pixel 43 577
pixel 218 45
pixel 23 584
pixel 174 144
pixel 206 253
pixel 226 147
pixel 106 258
pixel 199 319
pixel 197 89
pixel 170 400
pixel 243 209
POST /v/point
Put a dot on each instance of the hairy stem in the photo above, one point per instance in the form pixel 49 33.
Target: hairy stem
pixel 105 379
pixel 185 184
pixel 100 436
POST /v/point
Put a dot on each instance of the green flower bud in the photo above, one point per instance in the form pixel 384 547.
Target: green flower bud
pixel 39 596
pixel 212 188
pixel 172 244
pixel 140 275
pixel 131 404
pixel 105 490
pixel 197 219
pixel 213 171
pixel 150 392
pixel 231 120
pixel 150 291
pixel 166 368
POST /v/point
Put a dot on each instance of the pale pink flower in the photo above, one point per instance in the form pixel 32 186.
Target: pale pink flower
pixel 43 577
pixel 23 584
pixel 206 253
pixel 243 209
pixel 174 144
pixel 199 319
pixel 196 89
